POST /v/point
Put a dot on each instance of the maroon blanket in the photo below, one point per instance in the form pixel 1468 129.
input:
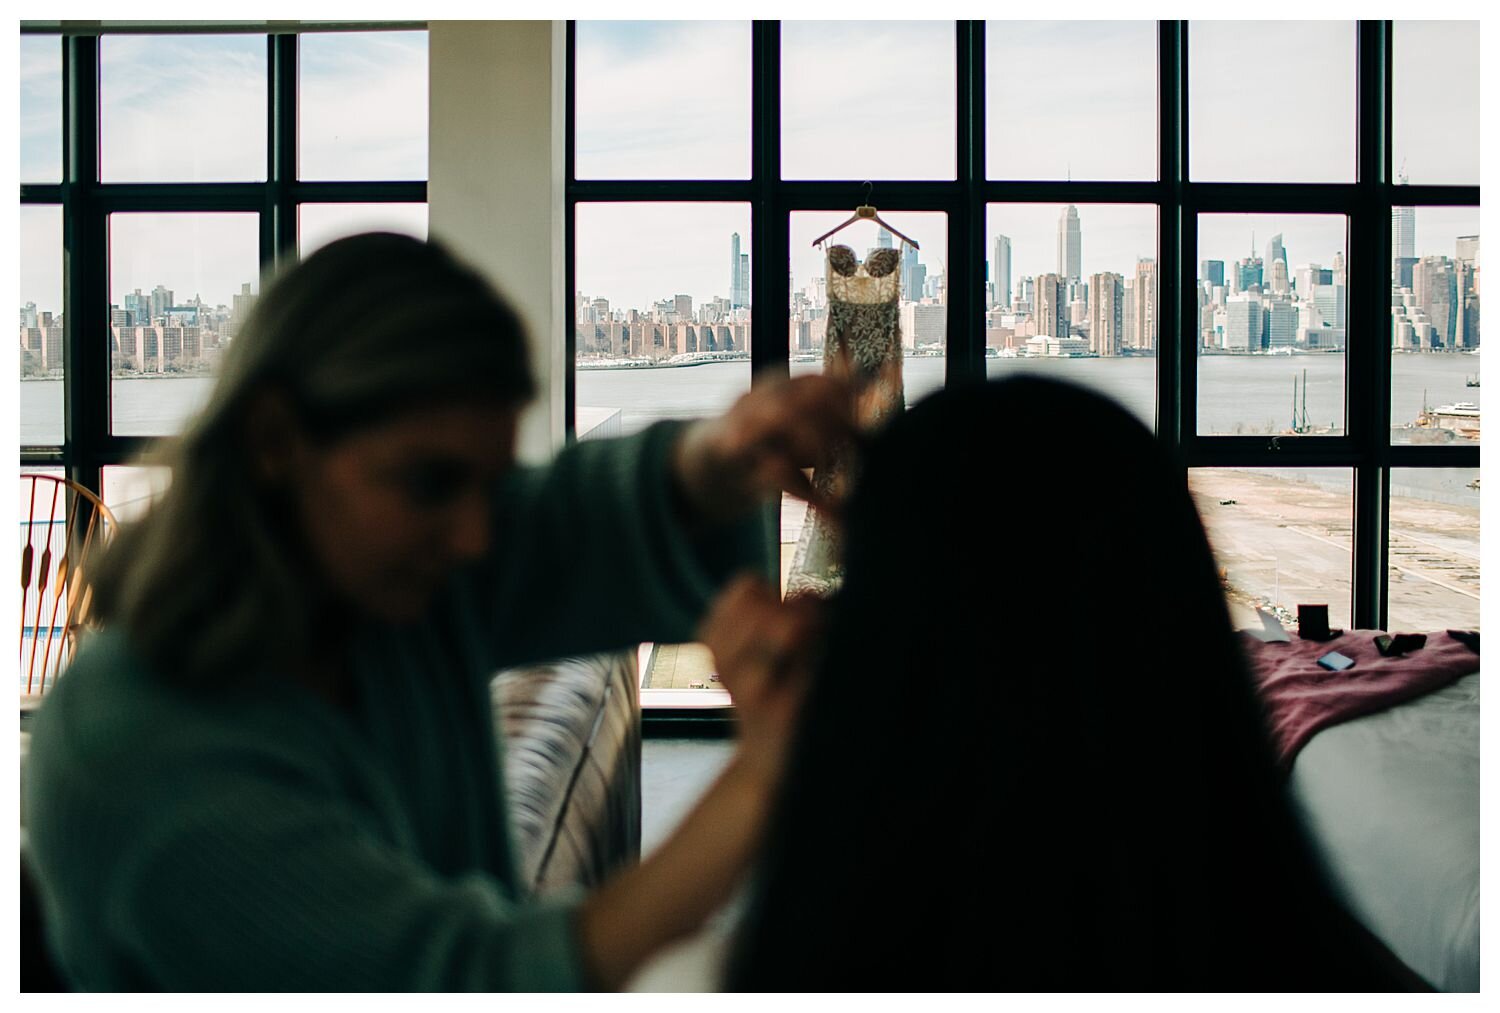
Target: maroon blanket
pixel 1303 698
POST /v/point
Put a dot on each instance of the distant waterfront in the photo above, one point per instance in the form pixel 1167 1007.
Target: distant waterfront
pixel 1244 393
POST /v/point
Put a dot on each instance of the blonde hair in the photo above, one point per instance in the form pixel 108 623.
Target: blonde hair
pixel 211 581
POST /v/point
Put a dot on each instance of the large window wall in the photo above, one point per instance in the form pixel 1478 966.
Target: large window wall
pixel 176 168
pixel 1282 279
pixel 1278 271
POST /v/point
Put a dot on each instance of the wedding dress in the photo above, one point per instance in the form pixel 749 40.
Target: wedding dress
pixel 863 343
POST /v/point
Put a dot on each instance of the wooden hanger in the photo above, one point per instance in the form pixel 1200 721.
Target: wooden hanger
pixel 869 212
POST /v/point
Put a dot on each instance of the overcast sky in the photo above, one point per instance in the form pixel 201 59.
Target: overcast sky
pixel 861 100
pixel 178 107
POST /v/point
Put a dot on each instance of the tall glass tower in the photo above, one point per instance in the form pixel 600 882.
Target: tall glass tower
pixel 1000 267
pixel 1069 245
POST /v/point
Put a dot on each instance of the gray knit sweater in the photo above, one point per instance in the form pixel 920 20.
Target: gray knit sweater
pixel 256 838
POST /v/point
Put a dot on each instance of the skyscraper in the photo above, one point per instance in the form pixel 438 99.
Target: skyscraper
pixel 744 279
pixel 1051 313
pixel 884 240
pixel 1143 308
pixel 1435 285
pixel 1247 272
pixel 913 275
pixel 1403 229
pixel 161 298
pixel 1106 313
pixel 1001 268
pixel 737 294
pixel 1276 251
pixel 1069 245
pixel 1279 324
pixel 1466 248
pixel 1280 283
pixel 1332 304
pixel 1212 271
pixel 1243 323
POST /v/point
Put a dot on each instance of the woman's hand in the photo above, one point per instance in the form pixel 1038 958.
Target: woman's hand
pixel 728 465
pixel 764 649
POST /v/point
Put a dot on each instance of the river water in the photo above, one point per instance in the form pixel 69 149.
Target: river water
pixel 1237 394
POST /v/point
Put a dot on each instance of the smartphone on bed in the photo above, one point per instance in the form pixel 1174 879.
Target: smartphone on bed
pixel 1336 662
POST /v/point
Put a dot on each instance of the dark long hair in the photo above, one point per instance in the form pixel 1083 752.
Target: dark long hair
pixel 362 330
pixel 1032 757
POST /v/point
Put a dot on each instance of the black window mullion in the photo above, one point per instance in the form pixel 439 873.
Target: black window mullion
pixel 1040 191
pixel 1176 227
pixel 684 190
pixel 159 197
pixel 85 270
pixel 1368 375
pixel 278 222
pixel 570 209
pixel 41 193
pixel 770 227
pixel 770 237
pixel 964 287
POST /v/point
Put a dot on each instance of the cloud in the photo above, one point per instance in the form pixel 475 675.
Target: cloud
pixel 363 109
pixel 1271 101
pixel 668 101
pixel 183 108
pixel 41 256
pixel 1435 81
pixel 320 224
pixel 40 126
pixel 1071 97
pixel 868 100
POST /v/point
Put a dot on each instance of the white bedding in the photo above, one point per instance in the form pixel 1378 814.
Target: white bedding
pixel 1393 801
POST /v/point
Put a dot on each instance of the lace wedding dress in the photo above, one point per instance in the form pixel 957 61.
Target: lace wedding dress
pixel 862 341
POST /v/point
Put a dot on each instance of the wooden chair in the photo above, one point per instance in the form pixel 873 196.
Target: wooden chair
pixel 63 526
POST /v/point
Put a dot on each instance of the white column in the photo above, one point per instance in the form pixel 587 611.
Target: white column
pixel 495 183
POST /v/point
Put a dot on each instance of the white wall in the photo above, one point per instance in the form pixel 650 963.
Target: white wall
pixel 495 183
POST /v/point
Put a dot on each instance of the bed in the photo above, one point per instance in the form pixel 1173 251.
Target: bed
pixel 1392 800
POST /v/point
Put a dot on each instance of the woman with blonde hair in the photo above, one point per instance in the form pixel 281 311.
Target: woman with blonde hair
pixel 274 768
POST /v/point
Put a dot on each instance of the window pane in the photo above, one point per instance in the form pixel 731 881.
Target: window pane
pixel 1435 325
pixel 1271 324
pixel 320 224
pixel 1434 549
pixel 911 309
pixel 680 298
pixel 662 100
pixel 868 100
pixel 41 109
pixel 1435 102
pixel 182 108
pixel 1095 120
pixel 130 490
pixel 179 287
pixel 362 105
pixel 1282 537
pixel 43 340
pixel 662 331
pixel 1271 101
pixel 1070 293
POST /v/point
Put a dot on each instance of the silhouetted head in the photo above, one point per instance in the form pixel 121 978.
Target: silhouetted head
pixel 1031 757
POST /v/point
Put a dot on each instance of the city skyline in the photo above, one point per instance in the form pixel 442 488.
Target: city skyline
pixel 1115 236
pixel 689 259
